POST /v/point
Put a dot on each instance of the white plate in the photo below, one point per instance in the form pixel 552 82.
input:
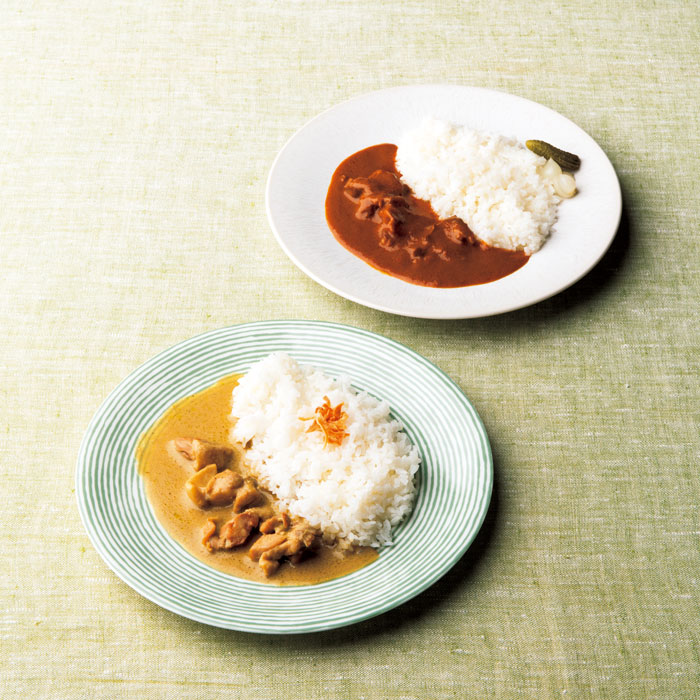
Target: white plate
pixel 301 173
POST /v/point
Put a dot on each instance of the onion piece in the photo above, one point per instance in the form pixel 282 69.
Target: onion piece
pixel 551 170
pixel 565 185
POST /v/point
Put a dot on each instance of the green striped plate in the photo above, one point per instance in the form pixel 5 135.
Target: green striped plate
pixel 455 479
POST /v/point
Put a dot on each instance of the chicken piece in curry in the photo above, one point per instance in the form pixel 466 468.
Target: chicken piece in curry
pixel 284 538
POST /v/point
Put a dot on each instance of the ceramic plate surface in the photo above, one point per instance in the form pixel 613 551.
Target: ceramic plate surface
pixel 301 173
pixel 454 480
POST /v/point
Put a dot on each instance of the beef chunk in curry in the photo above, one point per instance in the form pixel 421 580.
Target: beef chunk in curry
pixel 381 198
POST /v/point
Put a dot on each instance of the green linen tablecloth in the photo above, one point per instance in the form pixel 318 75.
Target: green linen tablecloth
pixel 136 138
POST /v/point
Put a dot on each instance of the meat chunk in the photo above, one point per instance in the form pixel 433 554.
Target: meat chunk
pixel 270 549
pixel 368 205
pixel 237 530
pixel 295 545
pixel 204 453
pixel 381 198
pixel 276 523
pixel 390 217
pixel 302 537
pixel 233 533
pixel 379 182
pixel 208 487
pixel 264 512
pixel 208 531
pixel 185 447
pixel 265 543
pixel 357 187
pixel 388 182
pixel 268 564
pixel 246 496
pixel 196 485
pixel 457 231
pixel 221 490
pixel 419 245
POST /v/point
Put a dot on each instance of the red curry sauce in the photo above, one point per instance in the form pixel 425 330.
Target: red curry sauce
pixel 376 217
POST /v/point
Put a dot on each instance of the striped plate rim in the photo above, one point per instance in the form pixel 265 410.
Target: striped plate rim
pixel 455 479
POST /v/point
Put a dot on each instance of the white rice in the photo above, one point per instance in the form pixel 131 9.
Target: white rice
pixel 356 491
pixel 493 183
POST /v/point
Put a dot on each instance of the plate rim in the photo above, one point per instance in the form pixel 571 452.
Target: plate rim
pixel 125 574
pixel 515 304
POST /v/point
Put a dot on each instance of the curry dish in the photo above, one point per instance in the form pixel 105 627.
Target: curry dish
pixel 202 494
pixel 376 217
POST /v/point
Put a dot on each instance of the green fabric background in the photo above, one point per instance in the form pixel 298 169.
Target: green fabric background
pixel 136 138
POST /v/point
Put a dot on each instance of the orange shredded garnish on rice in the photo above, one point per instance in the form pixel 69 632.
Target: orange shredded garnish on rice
pixel 330 421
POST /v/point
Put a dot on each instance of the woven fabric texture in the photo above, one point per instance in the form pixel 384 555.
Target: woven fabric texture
pixel 136 142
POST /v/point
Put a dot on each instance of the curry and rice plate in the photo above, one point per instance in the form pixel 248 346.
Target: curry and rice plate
pixel 449 206
pixel 283 475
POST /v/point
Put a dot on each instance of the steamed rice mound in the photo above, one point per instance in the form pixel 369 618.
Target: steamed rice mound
pixel 493 183
pixel 354 492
